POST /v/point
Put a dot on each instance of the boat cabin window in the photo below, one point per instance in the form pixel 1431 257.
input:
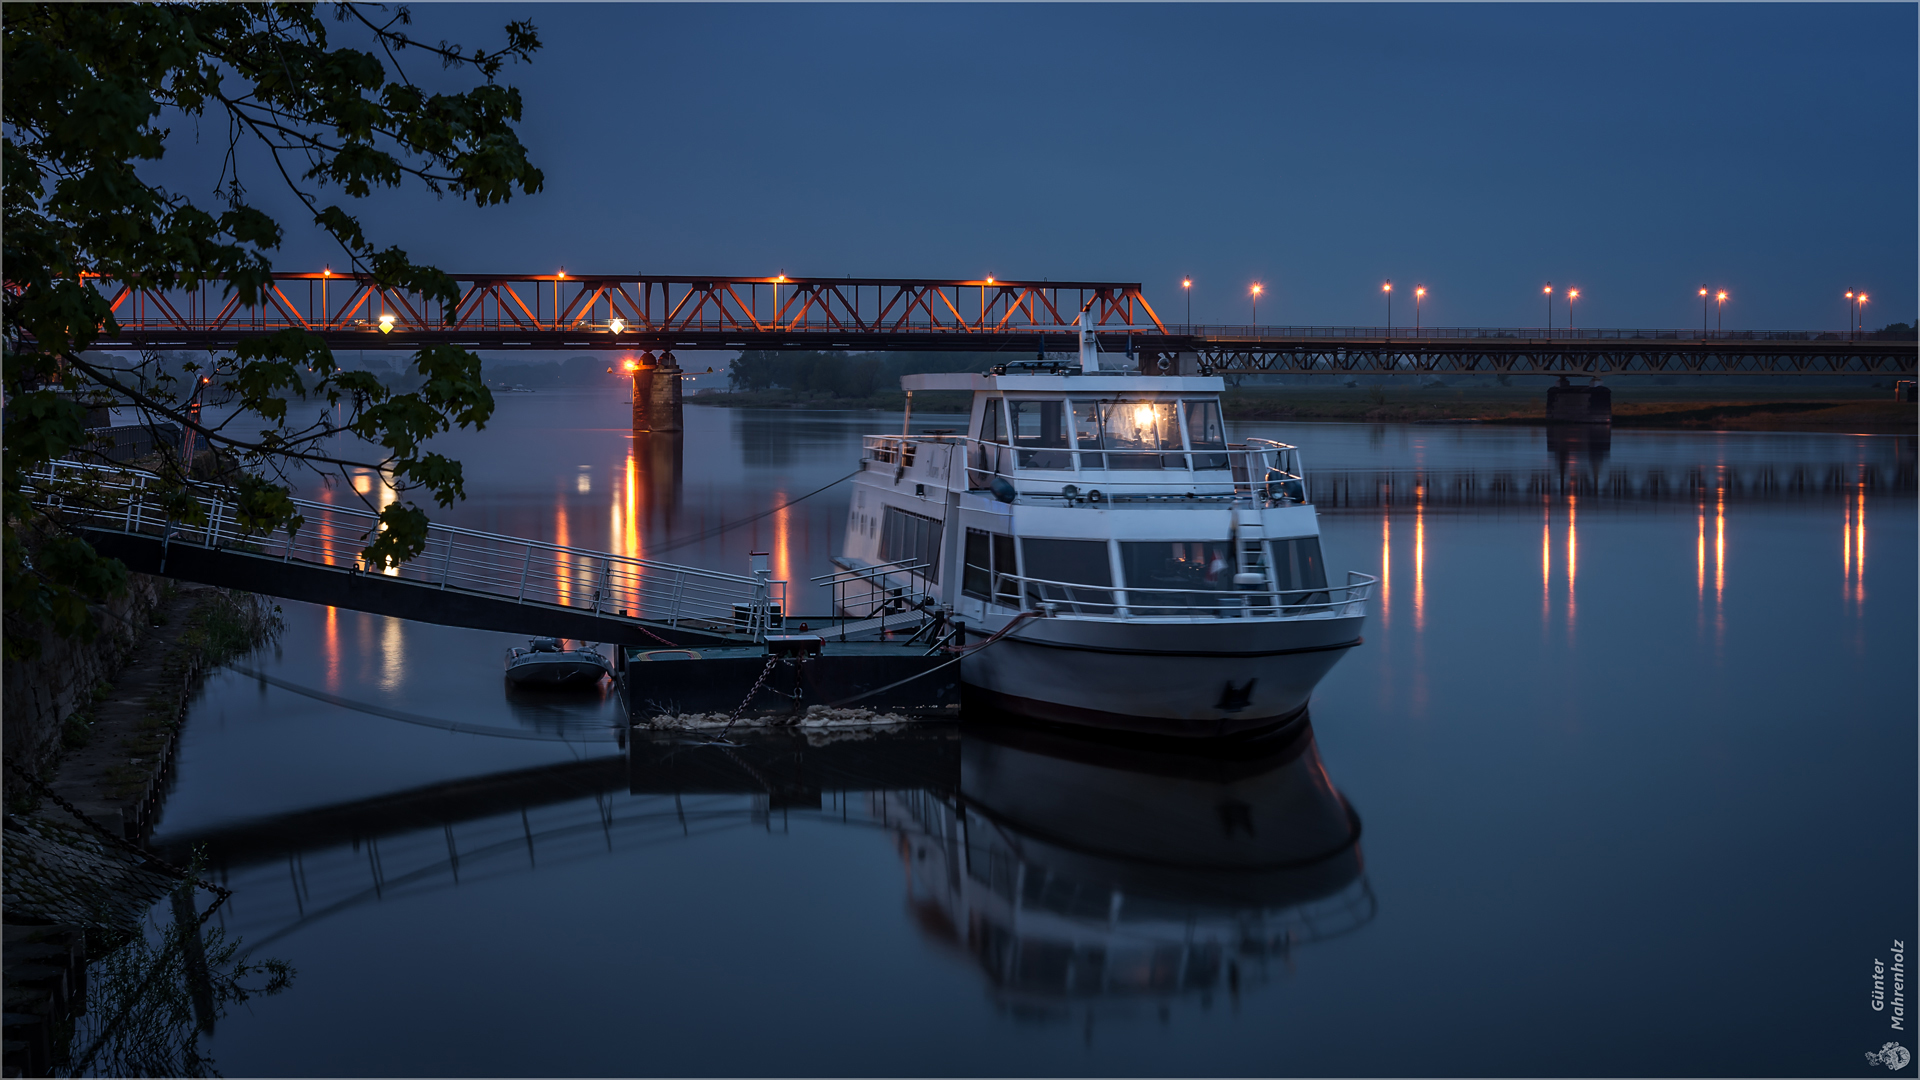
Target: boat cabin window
pixel 1204 432
pixel 989 559
pixel 990 422
pixel 1204 567
pixel 1128 430
pixel 1073 573
pixel 1297 565
pixel 1039 430
pixel 911 538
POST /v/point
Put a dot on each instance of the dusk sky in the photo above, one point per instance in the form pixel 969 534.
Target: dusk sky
pixel 1633 151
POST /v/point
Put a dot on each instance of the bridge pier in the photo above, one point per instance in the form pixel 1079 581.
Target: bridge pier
pixel 1569 404
pixel 656 394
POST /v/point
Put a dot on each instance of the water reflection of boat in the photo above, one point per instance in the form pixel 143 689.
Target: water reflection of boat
pixel 548 662
pixel 1082 874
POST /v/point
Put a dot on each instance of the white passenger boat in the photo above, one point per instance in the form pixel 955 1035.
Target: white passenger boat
pixel 547 662
pixel 1163 580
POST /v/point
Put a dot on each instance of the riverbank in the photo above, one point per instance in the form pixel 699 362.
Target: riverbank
pixel 1715 408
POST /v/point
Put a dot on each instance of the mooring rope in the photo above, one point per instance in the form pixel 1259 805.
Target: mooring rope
pixel 591 735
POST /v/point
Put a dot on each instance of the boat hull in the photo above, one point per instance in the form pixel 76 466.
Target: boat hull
pixel 1190 680
pixel 538 671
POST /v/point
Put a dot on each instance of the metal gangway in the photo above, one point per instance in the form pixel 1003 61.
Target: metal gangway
pixel 462 577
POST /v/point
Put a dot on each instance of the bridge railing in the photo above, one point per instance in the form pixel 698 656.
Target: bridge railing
pixel 1063 599
pixel 507 567
pixel 1510 333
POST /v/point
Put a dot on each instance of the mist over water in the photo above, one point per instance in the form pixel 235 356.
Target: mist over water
pixel 1629 743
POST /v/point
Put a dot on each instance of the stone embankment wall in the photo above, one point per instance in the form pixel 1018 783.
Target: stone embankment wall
pixel 38 696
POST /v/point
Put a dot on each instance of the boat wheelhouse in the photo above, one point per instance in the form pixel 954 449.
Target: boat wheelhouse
pixel 1163 579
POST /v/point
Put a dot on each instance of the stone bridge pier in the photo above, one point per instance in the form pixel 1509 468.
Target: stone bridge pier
pixel 656 394
pixel 1569 404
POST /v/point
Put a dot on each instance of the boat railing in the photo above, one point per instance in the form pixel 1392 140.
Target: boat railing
pixel 894 588
pixel 1260 471
pixel 1065 599
pixel 327 534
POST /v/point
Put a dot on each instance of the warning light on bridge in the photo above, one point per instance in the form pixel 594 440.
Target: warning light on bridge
pixel 386 324
pixel 616 324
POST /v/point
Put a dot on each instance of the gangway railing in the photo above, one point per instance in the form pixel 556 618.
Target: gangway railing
pixel 875 585
pixel 511 568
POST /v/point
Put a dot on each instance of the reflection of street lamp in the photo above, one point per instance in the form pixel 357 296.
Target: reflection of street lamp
pixel 1721 299
pixel 1187 284
pixel 1256 305
pixel 1419 291
pixel 1388 289
pixel 1572 295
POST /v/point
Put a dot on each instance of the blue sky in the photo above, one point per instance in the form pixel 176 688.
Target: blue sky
pixel 1633 151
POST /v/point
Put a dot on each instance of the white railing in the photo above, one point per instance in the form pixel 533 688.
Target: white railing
pixel 1060 599
pixel 506 567
pixel 1259 471
pixel 877 586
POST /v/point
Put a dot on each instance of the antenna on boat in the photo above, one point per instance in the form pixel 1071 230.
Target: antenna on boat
pixel 1089 345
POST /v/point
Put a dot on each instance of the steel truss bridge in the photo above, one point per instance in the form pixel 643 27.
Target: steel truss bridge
pixel 646 314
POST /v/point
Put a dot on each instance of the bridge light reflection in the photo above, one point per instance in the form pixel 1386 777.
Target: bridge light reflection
pixel 1419 557
pixel 1573 554
pixel 1386 564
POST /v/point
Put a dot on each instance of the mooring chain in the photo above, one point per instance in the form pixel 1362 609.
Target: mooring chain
pixel 757 684
pixel 121 841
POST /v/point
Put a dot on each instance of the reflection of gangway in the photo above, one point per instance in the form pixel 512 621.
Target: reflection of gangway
pixel 486 581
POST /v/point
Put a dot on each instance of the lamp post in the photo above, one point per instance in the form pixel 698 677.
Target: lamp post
pixel 1548 292
pixel 1860 317
pixel 1187 284
pixel 1388 289
pixel 1703 309
pixel 1572 295
pixel 1720 299
pixel 1256 306
pixel 1419 291
pixel 1849 296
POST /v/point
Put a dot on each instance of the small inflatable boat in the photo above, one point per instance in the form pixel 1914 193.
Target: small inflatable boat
pixel 547 662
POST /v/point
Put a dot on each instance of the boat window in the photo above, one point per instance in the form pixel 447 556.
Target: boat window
pixel 1039 430
pixel 1204 432
pixel 1070 567
pixel 1297 565
pixel 911 538
pixel 990 422
pixel 1087 434
pixel 1204 567
pixel 1140 426
pixel 989 559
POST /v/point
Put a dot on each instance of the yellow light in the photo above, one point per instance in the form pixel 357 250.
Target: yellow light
pixel 1186 283
pixel 1703 292
pixel 326 272
pixel 1573 294
pixel 563 272
pixel 1256 290
pixel 1849 294
pixel 1143 417
pixel 1548 289
pixel 1863 298
pixel 616 324
pixel 386 324
pixel 1388 287
pixel 781 279
pixel 1722 296
pixel 631 366
pixel 1420 291
pixel 989 281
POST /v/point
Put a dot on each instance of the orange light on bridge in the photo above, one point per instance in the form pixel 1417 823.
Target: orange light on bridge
pixel 989 281
pixel 1419 290
pixel 1721 296
pixel 630 365
pixel 327 271
pixel 1186 283
pixel 386 324
pixel 1388 287
pixel 1548 291
pixel 1703 292
pixel 562 273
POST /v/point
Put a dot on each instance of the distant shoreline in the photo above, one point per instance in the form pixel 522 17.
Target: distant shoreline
pixel 1741 408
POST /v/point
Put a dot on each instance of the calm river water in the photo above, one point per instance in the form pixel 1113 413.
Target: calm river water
pixel 1632 739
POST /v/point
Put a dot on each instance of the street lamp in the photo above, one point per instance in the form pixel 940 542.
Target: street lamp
pixel 1703 309
pixel 1187 284
pixel 1256 306
pixel 1548 293
pixel 1388 289
pixel 1419 291
pixel 1720 298
pixel 1572 295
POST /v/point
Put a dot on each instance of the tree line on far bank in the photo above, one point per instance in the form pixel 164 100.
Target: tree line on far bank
pixel 847 376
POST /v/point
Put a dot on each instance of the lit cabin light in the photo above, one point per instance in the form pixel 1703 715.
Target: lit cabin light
pixel 1143 417
pixel 616 324
pixel 386 324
